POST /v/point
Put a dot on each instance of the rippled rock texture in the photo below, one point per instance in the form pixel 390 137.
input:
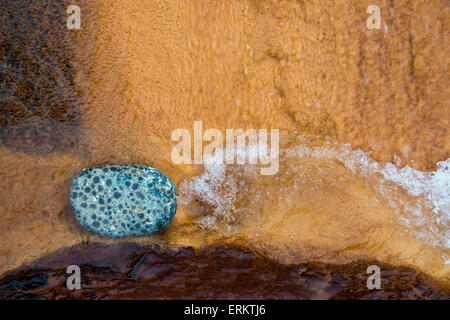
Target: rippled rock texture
pixel 120 201
pixel 127 271
pixel 306 66
pixel 155 66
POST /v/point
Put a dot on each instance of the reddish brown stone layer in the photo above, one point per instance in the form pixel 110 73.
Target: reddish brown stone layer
pixel 39 100
pixel 127 271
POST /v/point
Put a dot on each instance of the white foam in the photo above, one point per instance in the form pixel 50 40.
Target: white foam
pixel 432 189
pixel 217 186
pixel 429 210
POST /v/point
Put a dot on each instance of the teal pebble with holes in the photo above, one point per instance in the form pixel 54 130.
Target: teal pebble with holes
pixel 118 201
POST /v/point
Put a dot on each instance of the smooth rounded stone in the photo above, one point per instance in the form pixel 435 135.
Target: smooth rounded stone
pixel 119 201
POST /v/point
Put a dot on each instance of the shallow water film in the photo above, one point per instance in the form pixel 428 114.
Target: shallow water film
pixel 306 140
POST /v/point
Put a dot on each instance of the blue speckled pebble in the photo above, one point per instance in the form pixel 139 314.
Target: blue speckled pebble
pixel 119 201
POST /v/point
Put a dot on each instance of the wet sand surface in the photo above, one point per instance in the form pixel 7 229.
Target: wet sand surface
pixel 114 91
